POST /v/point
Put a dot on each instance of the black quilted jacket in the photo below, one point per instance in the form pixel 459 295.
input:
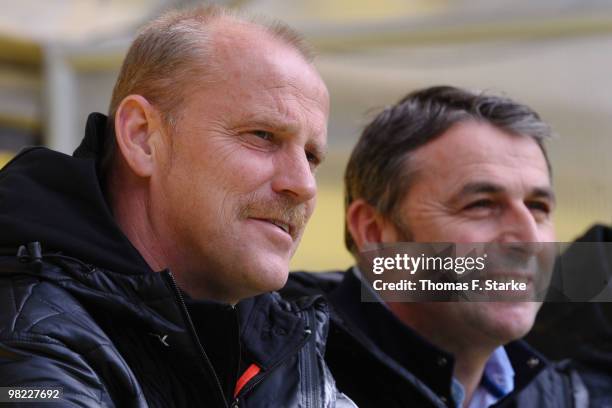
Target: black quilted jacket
pixel 81 310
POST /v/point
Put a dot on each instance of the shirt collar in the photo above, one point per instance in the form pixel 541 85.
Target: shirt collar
pixel 497 382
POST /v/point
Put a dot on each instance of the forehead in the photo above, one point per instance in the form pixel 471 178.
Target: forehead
pixel 258 79
pixel 249 61
pixel 478 152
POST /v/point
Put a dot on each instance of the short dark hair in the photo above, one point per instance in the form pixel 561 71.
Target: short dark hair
pixel 377 170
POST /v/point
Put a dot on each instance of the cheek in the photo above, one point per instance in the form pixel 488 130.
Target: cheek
pixel 310 206
pixel 237 170
pixel 472 231
pixel 548 233
pixel 197 193
pixel 449 229
pixel 245 170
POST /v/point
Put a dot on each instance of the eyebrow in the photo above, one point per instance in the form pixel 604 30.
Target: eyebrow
pixel 544 192
pixel 483 187
pixel 273 124
pixel 479 188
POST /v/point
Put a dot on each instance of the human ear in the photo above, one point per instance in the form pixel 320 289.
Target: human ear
pixel 366 225
pixel 136 126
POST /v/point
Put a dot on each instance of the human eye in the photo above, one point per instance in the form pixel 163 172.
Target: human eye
pixel 540 209
pixel 313 158
pixel 263 134
pixel 482 207
pixel 479 204
pixel 259 139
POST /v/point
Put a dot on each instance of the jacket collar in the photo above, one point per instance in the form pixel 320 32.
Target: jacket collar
pixel 271 329
pixel 378 330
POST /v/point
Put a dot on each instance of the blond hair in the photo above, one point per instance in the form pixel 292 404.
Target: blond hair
pixel 170 51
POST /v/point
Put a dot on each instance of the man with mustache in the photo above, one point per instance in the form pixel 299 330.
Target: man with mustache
pixel 444 165
pixel 138 271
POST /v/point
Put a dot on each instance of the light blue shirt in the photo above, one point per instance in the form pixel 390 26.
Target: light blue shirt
pixel 497 382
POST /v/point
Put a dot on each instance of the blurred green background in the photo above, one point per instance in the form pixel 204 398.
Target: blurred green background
pixel 59 60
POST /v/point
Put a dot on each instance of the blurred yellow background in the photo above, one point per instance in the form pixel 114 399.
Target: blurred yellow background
pixel 59 60
pixel 5 157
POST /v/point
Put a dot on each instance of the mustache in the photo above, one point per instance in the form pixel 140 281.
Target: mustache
pixel 281 208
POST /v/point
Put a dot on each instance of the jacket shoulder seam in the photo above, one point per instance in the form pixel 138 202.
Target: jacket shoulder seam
pixel 31 294
pixel 19 307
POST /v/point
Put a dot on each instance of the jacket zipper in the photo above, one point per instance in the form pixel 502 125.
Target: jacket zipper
pixel 265 374
pixel 194 334
pixel 310 364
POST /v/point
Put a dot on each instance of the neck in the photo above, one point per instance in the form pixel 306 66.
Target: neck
pixel 468 370
pixel 469 354
pixel 129 204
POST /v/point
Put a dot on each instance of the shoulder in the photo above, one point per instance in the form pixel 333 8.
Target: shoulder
pixel 47 337
pixel 29 303
pixel 543 383
pixel 37 308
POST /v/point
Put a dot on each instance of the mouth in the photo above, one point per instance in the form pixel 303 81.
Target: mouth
pixel 282 225
pixel 508 286
pixel 508 278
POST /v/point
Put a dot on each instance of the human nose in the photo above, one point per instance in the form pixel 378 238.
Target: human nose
pixel 294 177
pixel 520 229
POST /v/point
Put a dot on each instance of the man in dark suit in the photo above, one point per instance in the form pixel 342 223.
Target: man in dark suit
pixel 444 165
